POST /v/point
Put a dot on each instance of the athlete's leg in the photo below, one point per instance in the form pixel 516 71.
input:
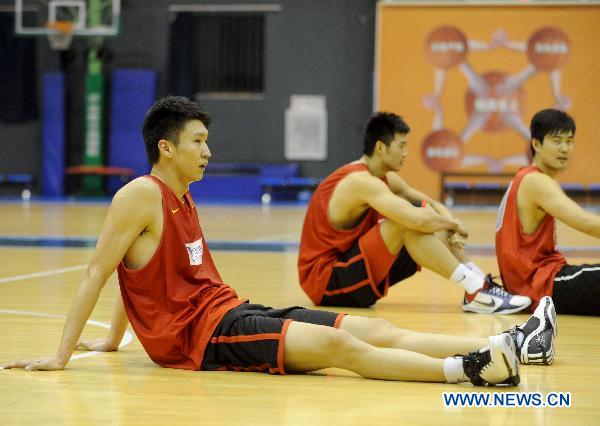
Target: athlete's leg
pixel 459 253
pixel 450 256
pixel 577 289
pixel 482 294
pixel 389 253
pixel 310 347
pixel 382 333
pixel 426 249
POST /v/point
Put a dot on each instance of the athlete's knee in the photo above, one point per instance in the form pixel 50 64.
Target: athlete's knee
pixel 342 346
pixel 392 228
pixel 414 235
pixel 337 339
pixel 383 333
pixel 393 235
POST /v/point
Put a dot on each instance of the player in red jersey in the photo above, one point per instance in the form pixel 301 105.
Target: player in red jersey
pixel 525 230
pixel 186 317
pixel 349 257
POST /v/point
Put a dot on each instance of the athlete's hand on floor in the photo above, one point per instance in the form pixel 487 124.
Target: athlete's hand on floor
pixel 47 364
pixel 101 345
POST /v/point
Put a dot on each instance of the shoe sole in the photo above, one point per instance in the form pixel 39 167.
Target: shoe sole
pixel 468 308
pixel 548 314
pixel 552 317
pixel 502 347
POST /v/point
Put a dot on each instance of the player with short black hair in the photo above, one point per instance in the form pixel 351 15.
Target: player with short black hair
pixel 186 317
pixel 525 229
pixel 366 229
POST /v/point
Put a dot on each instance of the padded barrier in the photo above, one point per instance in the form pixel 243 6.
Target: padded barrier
pixel 53 134
pixel 133 91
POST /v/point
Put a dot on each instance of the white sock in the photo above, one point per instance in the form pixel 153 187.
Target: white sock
pixel 475 269
pixel 453 370
pixel 468 279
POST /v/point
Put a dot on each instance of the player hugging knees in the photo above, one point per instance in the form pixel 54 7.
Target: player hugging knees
pixel 367 229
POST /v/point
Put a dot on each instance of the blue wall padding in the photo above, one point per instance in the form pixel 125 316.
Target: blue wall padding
pixel 239 182
pixel 53 135
pixel 229 189
pixel 133 92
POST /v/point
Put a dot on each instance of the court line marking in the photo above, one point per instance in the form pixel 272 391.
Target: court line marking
pixel 287 237
pixel 42 274
pixel 257 244
pixel 127 338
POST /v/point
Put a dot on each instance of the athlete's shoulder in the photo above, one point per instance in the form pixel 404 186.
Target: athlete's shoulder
pixel 539 189
pixel 354 167
pixel 141 191
pixel 536 178
pixel 342 173
pixel 358 177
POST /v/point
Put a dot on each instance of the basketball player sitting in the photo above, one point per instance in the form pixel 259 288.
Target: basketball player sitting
pixel 186 317
pixel 366 229
pixel 525 231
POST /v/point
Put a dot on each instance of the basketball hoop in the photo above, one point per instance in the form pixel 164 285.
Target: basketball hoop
pixel 61 37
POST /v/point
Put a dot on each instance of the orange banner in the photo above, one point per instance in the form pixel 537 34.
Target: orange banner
pixel 467 79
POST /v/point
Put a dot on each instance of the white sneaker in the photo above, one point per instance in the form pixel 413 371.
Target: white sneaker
pixel 493 299
pixel 539 334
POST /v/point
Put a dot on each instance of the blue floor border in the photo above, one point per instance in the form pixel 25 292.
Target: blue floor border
pixel 60 242
pixel 249 246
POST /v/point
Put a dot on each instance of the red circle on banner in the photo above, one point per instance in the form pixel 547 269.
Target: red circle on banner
pixel 548 49
pixel 495 104
pixel 446 47
pixel 442 150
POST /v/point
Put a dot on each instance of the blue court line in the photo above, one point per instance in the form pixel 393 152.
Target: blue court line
pixel 66 242
pixel 250 246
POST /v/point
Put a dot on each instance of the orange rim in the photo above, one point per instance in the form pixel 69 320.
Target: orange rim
pixel 64 27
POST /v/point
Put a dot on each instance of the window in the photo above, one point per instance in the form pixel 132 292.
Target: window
pixel 217 55
pixel 227 52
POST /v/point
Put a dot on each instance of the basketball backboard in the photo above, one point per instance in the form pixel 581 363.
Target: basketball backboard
pixel 90 18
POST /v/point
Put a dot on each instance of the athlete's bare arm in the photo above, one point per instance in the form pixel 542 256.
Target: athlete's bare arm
pixel 118 325
pixel 359 190
pixel 132 212
pixel 399 187
pixel 539 194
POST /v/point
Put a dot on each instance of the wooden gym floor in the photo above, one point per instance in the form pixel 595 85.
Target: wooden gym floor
pixel 44 248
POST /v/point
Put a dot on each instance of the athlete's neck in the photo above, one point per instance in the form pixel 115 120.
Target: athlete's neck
pixel 544 168
pixel 169 178
pixel 375 166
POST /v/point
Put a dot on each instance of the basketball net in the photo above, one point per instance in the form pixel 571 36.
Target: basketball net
pixel 61 38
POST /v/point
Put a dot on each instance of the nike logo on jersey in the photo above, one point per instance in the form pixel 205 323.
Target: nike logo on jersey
pixel 175 210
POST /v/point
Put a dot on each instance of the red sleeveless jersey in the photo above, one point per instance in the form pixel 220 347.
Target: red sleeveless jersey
pixel 528 262
pixel 321 243
pixel 177 299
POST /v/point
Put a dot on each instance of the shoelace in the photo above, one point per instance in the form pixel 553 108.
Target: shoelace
pixel 497 290
pixel 476 363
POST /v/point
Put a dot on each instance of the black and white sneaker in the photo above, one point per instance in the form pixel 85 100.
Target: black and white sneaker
pixel 494 365
pixel 537 335
pixel 493 299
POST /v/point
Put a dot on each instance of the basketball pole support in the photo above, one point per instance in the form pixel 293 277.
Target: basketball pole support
pixel 94 105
